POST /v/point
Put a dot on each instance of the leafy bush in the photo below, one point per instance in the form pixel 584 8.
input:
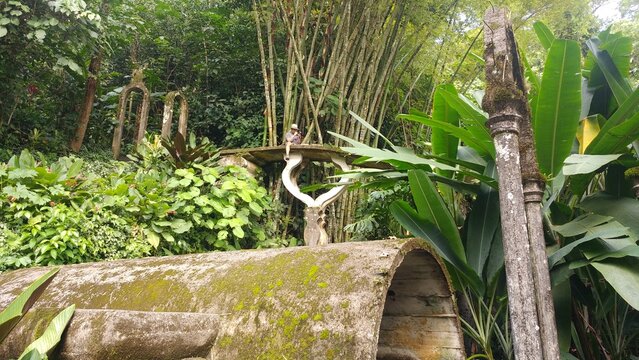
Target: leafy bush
pixel 58 214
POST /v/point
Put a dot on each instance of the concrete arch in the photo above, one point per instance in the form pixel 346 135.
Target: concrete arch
pixel 142 121
pixel 167 118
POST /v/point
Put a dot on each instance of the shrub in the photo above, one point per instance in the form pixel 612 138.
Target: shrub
pixel 58 214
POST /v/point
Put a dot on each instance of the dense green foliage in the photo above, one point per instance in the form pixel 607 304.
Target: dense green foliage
pixel 173 197
pixel 56 213
pixel 590 211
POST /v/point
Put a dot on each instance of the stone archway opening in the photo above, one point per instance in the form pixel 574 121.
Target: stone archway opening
pixel 419 320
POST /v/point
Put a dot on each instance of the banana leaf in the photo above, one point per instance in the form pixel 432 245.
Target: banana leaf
pixel 421 227
pixel 443 143
pixel 52 335
pixel 627 110
pixel 483 222
pixel 618 83
pixel 12 314
pixel 558 106
pixel 545 36
pixel 483 147
pixel 623 276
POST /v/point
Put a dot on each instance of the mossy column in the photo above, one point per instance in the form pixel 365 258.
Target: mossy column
pixel 363 300
pixel 503 101
pixel 514 100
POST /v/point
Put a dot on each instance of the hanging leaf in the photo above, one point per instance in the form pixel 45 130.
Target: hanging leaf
pixel 630 250
pixel 617 82
pixel 52 335
pixel 10 316
pixel 622 274
pixel 466 108
pixel 482 147
pixel 617 138
pixel 444 144
pixel 545 36
pixel 420 227
pixel 585 164
pixel 431 207
pixel 626 110
pixel 588 131
pixel 32 355
pixel 562 300
pixel 376 155
pixel 473 117
pixel 624 210
pixel 495 263
pixel 482 223
pixel 558 106
pixel 593 227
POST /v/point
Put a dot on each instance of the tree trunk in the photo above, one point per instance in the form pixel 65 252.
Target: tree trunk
pixel 87 104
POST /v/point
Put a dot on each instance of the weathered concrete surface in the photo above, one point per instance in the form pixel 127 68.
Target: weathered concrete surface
pixel 506 103
pixel 263 156
pixel 167 117
pixel 327 302
pixel 123 334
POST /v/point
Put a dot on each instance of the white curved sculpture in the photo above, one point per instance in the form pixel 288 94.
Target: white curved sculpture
pixel 315 229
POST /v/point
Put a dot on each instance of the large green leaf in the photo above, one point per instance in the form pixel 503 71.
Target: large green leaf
pixel 619 49
pixel 420 227
pixel 545 36
pixel 585 164
pixel 464 135
pixel 466 108
pixel 593 227
pixel 624 210
pixel 623 275
pixel 472 116
pixel 617 139
pixel 562 300
pixel 558 106
pixel 32 355
pixel 376 155
pixel 495 263
pixel 443 143
pixel 618 83
pixel 626 110
pixel 10 316
pixel 628 250
pixel 51 336
pixel 431 207
pixel 482 224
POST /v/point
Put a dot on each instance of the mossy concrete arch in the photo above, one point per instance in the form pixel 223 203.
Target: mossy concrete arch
pixel 167 117
pixel 386 299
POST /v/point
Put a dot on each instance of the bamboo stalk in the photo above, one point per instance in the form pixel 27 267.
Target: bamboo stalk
pixel 267 89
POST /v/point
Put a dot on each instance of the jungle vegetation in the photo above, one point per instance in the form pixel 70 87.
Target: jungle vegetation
pixel 398 82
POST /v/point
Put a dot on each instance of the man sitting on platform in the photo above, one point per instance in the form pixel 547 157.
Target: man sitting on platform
pixel 293 136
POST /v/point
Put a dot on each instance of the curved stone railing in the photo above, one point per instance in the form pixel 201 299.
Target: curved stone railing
pixel 315 212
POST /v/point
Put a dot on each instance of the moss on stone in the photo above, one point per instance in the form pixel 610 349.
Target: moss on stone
pixel 632 173
pixel 290 333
